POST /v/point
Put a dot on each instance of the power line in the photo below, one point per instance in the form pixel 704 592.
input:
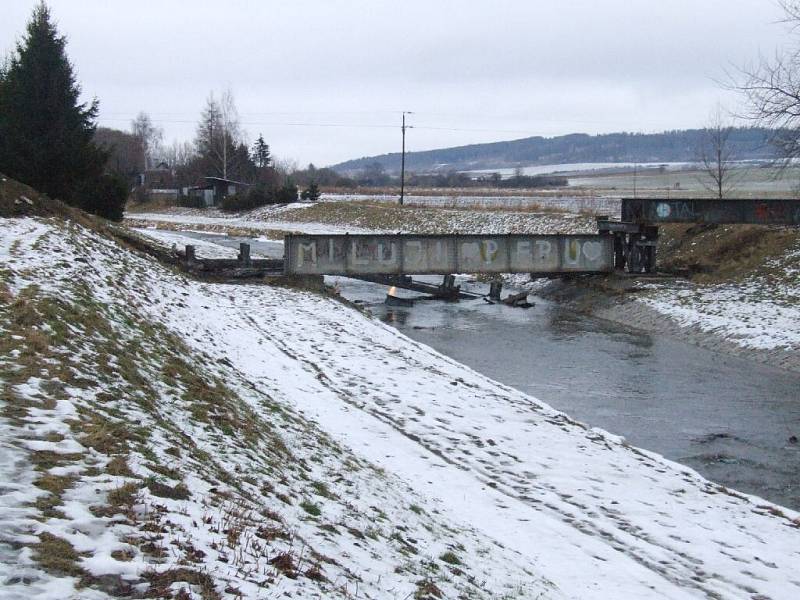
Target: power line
pixel 342 125
pixel 265 123
pixel 347 125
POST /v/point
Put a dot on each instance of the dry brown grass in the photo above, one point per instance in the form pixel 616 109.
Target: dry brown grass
pixel 105 436
pixel 56 486
pixel 118 466
pixel 6 297
pixel 156 204
pixel 57 555
pixel 427 590
pixel 723 253
pixel 161 583
pixel 124 497
pixel 22 311
pixel 466 191
pixel 162 490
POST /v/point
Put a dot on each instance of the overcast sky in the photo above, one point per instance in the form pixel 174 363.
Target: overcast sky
pixel 325 80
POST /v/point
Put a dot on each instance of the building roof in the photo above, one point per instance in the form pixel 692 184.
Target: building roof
pixel 223 180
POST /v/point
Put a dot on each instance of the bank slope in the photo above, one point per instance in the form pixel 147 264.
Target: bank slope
pixel 166 436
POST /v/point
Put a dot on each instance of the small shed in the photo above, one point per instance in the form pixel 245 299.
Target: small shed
pixel 201 195
pixel 213 190
pixel 225 187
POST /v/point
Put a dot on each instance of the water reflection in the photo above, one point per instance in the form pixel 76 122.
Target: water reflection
pixel 395 316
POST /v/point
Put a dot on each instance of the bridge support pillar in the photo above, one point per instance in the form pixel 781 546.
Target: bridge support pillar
pixel 620 255
pixel 449 290
pixel 495 288
pixel 641 250
pixel 244 254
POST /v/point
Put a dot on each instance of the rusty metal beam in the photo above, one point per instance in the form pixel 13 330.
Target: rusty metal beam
pixel 710 210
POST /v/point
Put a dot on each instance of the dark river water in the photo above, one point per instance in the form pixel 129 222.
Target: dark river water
pixel 728 418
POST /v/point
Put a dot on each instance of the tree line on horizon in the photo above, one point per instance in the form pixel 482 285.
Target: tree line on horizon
pixel 669 146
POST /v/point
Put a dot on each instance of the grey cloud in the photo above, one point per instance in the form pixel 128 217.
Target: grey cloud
pixel 508 66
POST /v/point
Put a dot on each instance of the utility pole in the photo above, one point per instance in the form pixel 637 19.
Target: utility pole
pixel 224 140
pixel 403 158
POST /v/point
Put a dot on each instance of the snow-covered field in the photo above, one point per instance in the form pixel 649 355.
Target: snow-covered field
pixel 353 218
pixel 376 468
pixel 588 204
pixel 263 222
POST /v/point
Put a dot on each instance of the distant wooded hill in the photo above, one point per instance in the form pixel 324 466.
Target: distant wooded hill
pixel 669 146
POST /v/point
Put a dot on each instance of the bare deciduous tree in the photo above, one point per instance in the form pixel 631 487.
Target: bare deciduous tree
pixel 149 136
pixel 771 88
pixel 125 154
pixel 715 154
pixel 176 154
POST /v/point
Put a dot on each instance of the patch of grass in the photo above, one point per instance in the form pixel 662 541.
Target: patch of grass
pixel 284 563
pixel 313 509
pixel 427 590
pixel 49 505
pixel 55 484
pixel 721 253
pixel 123 496
pixel 105 436
pixel 23 311
pixel 178 492
pixel 44 460
pixel 330 528
pixel 56 555
pixel 165 471
pixel 321 489
pixel 6 297
pixel 118 466
pixel 314 573
pixel 416 509
pixel 270 533
pixel 450 558
pixel 126 555
pixel 161 583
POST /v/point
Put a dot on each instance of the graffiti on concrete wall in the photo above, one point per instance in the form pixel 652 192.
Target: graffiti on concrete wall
pixel 443 254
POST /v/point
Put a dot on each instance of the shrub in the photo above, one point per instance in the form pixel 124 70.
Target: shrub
pixel 233 203
pixel 105 197
pixel 191 202
pixel 312 193
pixel 260 195
pixel 286 193
pixel 255 197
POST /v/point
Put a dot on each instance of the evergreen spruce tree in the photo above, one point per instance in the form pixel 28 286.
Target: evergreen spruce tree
pixel 311 193
pixel 260 153
pixel 45 132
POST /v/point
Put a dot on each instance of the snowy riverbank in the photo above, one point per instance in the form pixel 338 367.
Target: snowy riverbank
pixel 504 495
